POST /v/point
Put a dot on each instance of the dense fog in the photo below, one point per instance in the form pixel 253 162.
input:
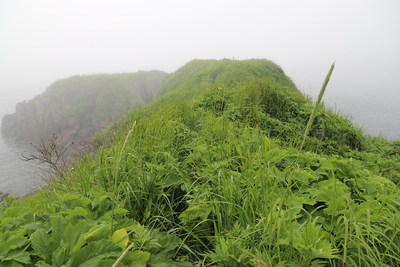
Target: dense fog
pixel 42 41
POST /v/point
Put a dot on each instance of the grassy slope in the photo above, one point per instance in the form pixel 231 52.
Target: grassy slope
pixel 211 170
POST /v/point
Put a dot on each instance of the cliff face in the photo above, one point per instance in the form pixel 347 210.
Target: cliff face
pixel 80 105
pixel 41 117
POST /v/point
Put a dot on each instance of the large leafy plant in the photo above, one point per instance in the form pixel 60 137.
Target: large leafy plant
pixel 85 231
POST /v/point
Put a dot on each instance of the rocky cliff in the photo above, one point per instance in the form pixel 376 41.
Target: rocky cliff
pixel 80 105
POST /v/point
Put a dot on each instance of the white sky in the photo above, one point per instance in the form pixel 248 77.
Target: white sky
pixel 45 40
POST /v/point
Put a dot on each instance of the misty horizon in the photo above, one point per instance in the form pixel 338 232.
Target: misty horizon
pixel 44 41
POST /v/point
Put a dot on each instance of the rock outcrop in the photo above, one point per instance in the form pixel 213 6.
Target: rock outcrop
pixel 79 106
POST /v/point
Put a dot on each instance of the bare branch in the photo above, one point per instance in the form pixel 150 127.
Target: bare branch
pixel 57 154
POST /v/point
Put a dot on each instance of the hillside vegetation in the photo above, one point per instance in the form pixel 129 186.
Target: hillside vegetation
pixel 80 105
pixel 211 174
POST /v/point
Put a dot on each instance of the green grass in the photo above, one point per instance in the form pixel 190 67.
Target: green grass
pixel 214 177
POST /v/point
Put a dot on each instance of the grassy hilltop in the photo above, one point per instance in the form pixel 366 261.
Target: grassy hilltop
pixel 211 173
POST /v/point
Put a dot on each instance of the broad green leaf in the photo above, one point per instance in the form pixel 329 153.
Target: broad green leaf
pixel 169 242
pixel 121 238
pixel 294 207
pixel 73 200
pixel 311 244
pixel 128 224
pixel 16 256
pixel 109 262
pixel 162 247
pixel 9 241
pixel 77 211
pixel 79 243
pixel 10 264
pixel 34 226
pixel 16 212
pixel 102 203
pixel 43 264
pixel 301 177
pixel 199 211
pixel 93 253
pixel 97 232
pixel 6 236
pixel 335 194
pixel 40 241
pixel 73 233
pixel 373 186
pixel 117 211
pixel 59 256
pixel 136 258
pixel 57 232
pixel 7 222
pixel 304 197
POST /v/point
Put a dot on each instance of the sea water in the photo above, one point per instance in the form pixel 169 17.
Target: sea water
pixel 18 177
pixel 376 112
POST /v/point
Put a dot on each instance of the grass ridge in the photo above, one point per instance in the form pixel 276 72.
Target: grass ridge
pixel 211 174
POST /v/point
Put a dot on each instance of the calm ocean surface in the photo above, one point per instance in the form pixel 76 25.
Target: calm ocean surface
pixel 377 114
pixel 17 177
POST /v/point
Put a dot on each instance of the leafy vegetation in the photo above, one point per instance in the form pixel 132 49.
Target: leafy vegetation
pixel 211 174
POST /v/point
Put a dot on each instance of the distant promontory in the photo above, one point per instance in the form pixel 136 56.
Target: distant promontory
pixel 80 105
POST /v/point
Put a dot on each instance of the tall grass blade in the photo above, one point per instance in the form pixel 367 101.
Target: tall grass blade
pixel 117 167
pixel 321 94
